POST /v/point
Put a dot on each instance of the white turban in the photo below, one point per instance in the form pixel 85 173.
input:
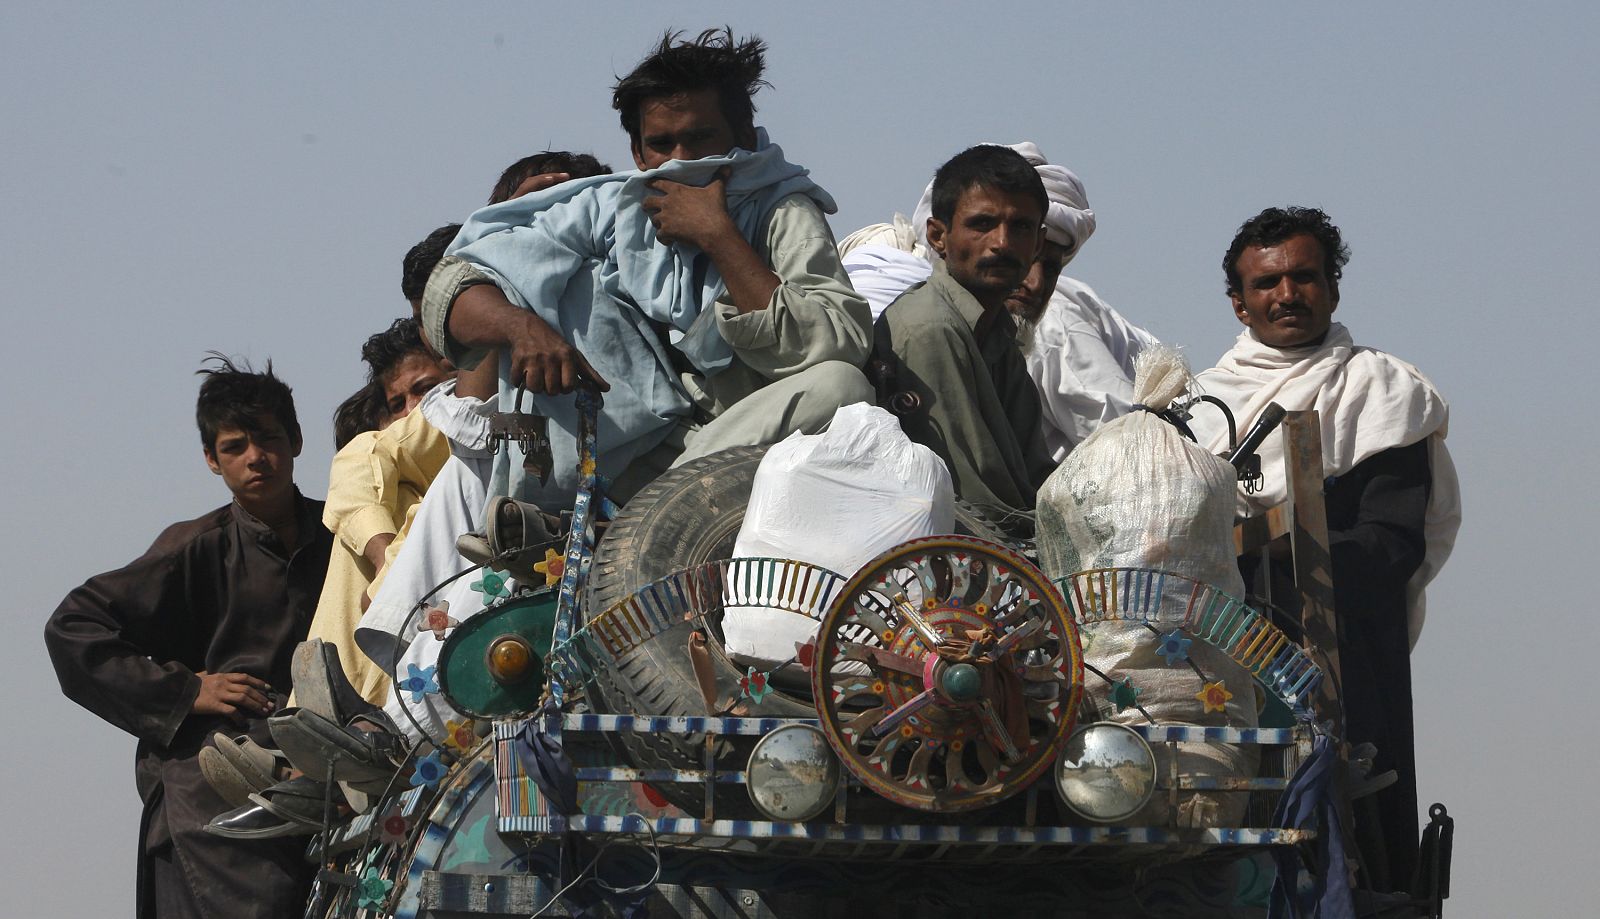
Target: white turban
pixel 1069 221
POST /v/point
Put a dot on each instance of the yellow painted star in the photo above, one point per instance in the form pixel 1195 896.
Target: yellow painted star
pixel 553 566
pixel 1214 696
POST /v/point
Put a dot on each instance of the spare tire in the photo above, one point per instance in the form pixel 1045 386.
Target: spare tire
pixel 687 517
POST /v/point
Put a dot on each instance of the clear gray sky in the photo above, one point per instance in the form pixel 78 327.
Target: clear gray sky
pixel 183 177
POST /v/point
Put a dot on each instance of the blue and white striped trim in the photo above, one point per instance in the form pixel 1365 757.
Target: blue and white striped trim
pixel 680 776
pixel 1182 733
pixel 692 724
pixel 755 727
pixel 935 835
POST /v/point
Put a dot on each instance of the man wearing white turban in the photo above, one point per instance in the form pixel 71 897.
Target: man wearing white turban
pixel 1393 503
pixel 1079 351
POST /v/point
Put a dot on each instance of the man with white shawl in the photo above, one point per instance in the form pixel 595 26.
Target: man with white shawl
pixel 704 293
pixel 1079 351
pixel 1393 502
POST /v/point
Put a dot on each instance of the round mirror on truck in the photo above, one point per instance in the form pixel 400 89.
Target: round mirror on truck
pixel 793 774
pixel 1107 772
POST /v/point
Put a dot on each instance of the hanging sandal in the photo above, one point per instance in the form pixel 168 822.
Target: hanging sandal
pixel 302 800
pixel 236 767
pixel 318 746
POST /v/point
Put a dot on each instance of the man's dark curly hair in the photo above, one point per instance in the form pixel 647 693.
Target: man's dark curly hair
pixel 384 351
pixel 363 411
pixel 235 396
pixel 367 409
pixel 989 165
pixel 1278 224
pixel 713 60
pixel 421 259
pixel 577 165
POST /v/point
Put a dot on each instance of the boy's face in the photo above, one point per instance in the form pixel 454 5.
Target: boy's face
pixel 409 381
pixel 257 466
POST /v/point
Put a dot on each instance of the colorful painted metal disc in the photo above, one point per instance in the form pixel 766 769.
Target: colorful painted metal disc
pixel 947 674
pixel 493 664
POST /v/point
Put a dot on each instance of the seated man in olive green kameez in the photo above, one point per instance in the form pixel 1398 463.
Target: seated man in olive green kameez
pixel 946 349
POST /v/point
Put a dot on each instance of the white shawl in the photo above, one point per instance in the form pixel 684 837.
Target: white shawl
pixel 1368 402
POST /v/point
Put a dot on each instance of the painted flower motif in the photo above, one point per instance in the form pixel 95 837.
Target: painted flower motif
pixel 460 736
pixel 1174 647
pixel 805 654
pixel 373 890
pixel 553 567
pixel 428 771
pixel 394 828
pixel 491 585
pixel 419 681
pixel 1215 696
pixel 1124 694
pixel 437 619
pixel 753 686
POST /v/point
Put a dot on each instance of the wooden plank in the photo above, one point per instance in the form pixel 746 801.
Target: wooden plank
pixel 1251 533
pixel 1313 577
pixel 1313 564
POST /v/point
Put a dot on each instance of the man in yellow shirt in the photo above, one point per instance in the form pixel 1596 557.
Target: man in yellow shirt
pixel 376 482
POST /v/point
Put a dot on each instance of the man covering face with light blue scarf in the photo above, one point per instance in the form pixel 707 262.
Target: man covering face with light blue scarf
pixel 703 293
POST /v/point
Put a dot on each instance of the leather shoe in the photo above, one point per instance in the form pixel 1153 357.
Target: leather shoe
pixel 252 821
pixel 299 799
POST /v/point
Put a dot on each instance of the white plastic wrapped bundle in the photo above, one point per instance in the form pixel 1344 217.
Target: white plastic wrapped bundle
pixel 1137 493
pixel 838 500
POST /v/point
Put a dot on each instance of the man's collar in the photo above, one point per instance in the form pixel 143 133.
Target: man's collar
pixel 980 322
pixel 305 510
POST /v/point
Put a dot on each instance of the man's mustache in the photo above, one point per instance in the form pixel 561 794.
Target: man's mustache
pixel 998 261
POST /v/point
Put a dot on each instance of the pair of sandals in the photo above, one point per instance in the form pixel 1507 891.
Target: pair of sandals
pixel 334 737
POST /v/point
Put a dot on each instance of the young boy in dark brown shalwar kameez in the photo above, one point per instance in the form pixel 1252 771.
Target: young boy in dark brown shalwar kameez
pixel 195 637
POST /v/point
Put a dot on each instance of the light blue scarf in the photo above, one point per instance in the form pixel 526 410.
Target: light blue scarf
pixel 583 256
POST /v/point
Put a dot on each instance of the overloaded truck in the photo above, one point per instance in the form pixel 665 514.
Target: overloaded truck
pixel 960 734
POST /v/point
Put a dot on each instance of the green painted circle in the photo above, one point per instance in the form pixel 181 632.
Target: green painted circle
pixel 464 662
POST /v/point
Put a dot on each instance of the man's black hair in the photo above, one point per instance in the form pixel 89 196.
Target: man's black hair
pixel 577 165
pixel 235 396
pixel 713 60
pixel 992 166
pixel 1279 224
pixel 421 259
pixel 362 412
pixel 384 351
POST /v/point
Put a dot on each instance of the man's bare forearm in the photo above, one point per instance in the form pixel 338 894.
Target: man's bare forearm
pixel 541 360
pixel 482 317
pixel 482 381
pixel 375 548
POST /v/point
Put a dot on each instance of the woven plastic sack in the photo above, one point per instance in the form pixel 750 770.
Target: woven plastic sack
pixel 837 500
pixel 1137 493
